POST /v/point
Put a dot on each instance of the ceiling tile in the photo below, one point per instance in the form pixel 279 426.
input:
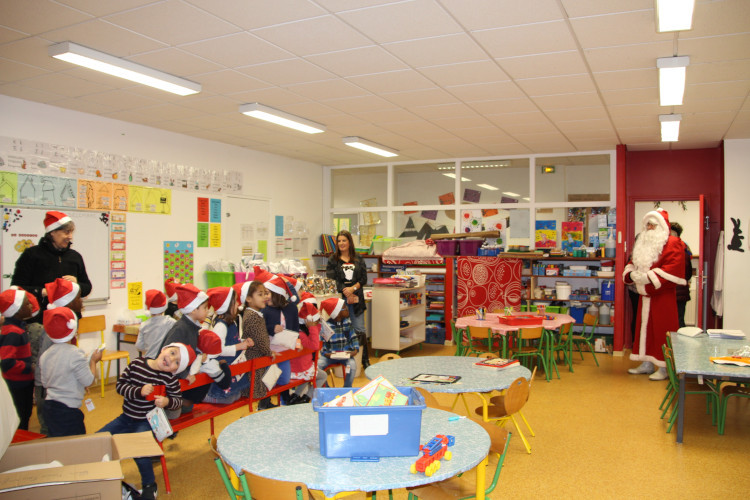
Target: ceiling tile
pixel 444 111
pixel 178 127
pixel 106 37
pixel 32 51
pixel 64 84
pixel 461 122
pixel 486 91
pixel 446 49
pixel 499 106
pixel 228 81
pixel 156 21
pixel 629 79
pixel 251 14
pixel 554 85
pixel 384 116
pixel 11 71
pixel 486 14
pixel 313 36
pixel 618 29
pixel 710 105
pixel 272 96
pixel 83 106
pixel 636 110
pixel 9 35
pixel 631 96
pixel 544 65
pixel 314 109
pixel 99 8
pixel 716 48
pixel 176 62
pixel 538 38
pixel 624 57
pixel 602 124
pixel 719 18
pixel 169 112
pixel 722 71
pixel 394 81
pixel 38 16
pixel 331 89
pixel 287 72
pixel 130 116
pixel 212 104
pixel 360 104
pixel 117 100
pixel 211 122
pixel 562 115
pixel 568 101
pixel 359 61
pixel 423 97
pixel 739 88
pixel 581 8
pixel 28 93
pixel 235 50
pixel 465 73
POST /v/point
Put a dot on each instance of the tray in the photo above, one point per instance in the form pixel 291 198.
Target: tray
pixel 522 320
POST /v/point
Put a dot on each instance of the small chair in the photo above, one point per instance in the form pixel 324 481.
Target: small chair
pixel 531 343
pixel 459 337
pixel 727 392
pixel 712 397
pixel 93 324
pixel 561 342
pixel 458 487
pixel 512 401
pixel 430 400
pixel 390 355
pixel 262 488
pixel 500 401
pixel 488 355
pixel 587 338
pixel 226 472
pixel 331 377
pixel 481 336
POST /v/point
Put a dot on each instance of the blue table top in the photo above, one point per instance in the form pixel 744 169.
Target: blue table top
pixel 282 443
pixel 400 371
pixel 691 356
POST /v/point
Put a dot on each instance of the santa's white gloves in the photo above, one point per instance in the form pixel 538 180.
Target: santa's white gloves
pixel 639 278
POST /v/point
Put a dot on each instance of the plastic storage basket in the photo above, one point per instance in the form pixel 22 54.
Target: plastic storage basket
pixel 447 248
pixel 241 277
pixel 219 278
pixel 364 432
pixel 469 246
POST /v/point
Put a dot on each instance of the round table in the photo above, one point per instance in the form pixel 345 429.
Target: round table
pixel 283 444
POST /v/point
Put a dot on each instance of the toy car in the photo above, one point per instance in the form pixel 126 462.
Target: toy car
pixel 432 452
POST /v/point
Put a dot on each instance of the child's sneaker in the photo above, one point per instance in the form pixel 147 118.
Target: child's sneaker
pixel 149 492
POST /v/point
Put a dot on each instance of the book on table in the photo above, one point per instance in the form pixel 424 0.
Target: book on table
pixel 496 363
pixel 725 334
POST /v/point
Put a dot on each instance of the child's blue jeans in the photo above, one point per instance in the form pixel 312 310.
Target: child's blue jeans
pixel 128 425
pixel 350 367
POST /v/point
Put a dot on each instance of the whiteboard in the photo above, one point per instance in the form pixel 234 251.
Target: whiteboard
pixel 23 227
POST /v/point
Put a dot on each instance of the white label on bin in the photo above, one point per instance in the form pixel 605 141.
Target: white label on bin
pixel 368 425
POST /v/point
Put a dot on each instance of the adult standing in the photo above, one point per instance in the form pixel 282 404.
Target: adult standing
pixel 349 271
pixel 656 268
pixel 683 291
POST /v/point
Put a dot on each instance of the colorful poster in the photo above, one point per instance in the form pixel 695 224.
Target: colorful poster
pixel 546 234
pixel 472 195
pixel 429 214
pixel 46 191
pixel 447 198
pixel 8 187
pixel 572 235
pixel 263 248
pixel 215 214
pixel 117 235
pixel 409 204
pixel 120 197
pixel 178 261
pixel 471 221
pixel 136 199
pixel 202 235
pixel 203 210
pixel 135 295
pixel 279 225
pixel 158 201
pixel 214 235
pixel 94 195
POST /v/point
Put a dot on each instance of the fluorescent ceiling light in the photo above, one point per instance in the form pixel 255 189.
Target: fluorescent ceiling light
pixel 257 110
pixel 670 127
pixel 487 186
pixel 674 15
pixel 115 66
pixel 369 146
pixel 453 176
pixel 672 79
pixel 509 193
pixel 526 198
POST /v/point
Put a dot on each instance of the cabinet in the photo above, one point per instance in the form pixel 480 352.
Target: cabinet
pixel 400 314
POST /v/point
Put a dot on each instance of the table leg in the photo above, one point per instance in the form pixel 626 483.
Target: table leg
pixel 481 471
pixel 117 376
pixel 681 408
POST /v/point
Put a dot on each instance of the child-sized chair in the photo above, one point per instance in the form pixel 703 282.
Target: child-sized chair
pixel 225 472
pixel 92 324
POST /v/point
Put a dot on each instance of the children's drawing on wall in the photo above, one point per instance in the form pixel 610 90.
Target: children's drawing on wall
pixel 546 234
pixel 120 197
pixel 158 201
pixel 410 230
pixel 736 243
pixel 178 261
pixel 471 221
pixel 472 195
pixel 8 184
pixel 572 235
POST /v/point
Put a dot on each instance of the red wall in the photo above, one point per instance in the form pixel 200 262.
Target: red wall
pixel 670 176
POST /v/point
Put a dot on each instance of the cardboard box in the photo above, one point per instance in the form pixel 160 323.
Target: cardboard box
pixel 83 474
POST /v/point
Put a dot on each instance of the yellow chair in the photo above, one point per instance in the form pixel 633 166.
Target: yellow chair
pixel 262 488
pixel 92 324
pixel 430 400
pixel 510 403
pixel 390 355
pixel 488 355
pixel 586 338
pixel 526 348
pixel 226 473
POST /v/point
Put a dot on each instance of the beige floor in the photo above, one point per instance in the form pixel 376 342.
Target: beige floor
pixel 598 435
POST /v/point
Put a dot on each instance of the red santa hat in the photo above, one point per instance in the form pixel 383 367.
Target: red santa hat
pixel 660 217
pixel 170 286
pixel 294 286
pixel 308 297
pixel 241 290
pixel 220 298
pixel 332 306
pixel 261 274
pixel 11 301
pixel 189 297
pixel 277 285
pixel 156 301
pixel 209 343
pixel 60 324
pixel 34 304
pixel 61 292
pixel 308 312
pixel 187 355
pixel 53 220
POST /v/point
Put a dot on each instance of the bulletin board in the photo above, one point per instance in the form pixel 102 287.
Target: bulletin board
pixel 23 227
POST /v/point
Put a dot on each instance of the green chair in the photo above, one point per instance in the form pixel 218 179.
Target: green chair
pixel 727 392
pixel 225 471
pixel 460 338
pixel 712 397
pixel 481 339
pixel 585 337
pixel 532 343
pixel 561 341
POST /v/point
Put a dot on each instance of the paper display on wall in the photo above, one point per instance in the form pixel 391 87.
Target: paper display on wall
pixel 471 221
pixel 519 224
pixel 178 261
pixel 572 235
pixel 546 234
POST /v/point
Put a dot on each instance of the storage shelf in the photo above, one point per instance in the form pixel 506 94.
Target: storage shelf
pixel 412 325
pixel 407 308
pixel 566 300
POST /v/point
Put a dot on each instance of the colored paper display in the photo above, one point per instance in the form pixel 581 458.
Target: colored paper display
pixel 279 226
pixel 215 216
pixel 135 295
pixel 202 235
pixel 472 195
pixel 430 214
pixel 447 198
pixel 214 235
pixel 409 204
pixel 572 235
pixel 203 210
pixel 178 261
pixel 546 234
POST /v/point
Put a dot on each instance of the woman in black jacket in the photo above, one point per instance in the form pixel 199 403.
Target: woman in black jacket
pixel 349 271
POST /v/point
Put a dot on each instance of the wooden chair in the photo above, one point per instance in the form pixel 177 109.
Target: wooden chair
pixel 458 487
pixel 500 401
pixel 532 343
pixel 561 342
pixel 591 322
pixel 390 355
pixel 512 402
pixel 481 336
pixel 712 397
pixel 430 399
pixel 226 472
pixel 331 377
pixel 92 324
pixel 488 355
pixel 459 337
pixel 262 488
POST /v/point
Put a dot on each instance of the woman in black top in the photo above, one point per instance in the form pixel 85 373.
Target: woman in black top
pixel 349 271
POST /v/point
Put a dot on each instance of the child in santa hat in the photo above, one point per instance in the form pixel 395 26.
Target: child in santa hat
pixel 65 373
pixel 343 344
pixel 152 332
pixel 280 314
pixel 15 351
pixel 145 384
pixel 303 367
pixel 170 290
pixel 209 349
pixel 254 328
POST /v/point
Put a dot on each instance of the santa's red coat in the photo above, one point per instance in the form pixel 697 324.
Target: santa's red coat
pixel 657 308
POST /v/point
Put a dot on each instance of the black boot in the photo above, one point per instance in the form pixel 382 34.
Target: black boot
pixel 266 403
pixel 363 345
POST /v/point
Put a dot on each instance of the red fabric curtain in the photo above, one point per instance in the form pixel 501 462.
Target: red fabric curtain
pixel 487 282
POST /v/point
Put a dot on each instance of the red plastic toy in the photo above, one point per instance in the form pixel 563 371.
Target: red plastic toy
pixel 432 452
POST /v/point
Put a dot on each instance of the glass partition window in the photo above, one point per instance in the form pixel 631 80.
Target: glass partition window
pixel 352 186
pixel 424 184
pixel 497 181
pixel 422 224
pixel 572 179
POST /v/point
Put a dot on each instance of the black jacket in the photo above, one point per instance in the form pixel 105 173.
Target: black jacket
pixel 43 263
pixel 335 271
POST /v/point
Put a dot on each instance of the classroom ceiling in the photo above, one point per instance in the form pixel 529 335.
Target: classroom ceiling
pixel 430 78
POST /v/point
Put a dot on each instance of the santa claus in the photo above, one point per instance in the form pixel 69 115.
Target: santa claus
pixel 656 268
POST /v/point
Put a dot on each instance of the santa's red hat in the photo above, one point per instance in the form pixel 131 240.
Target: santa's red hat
pixel 60 324
pixel 189 297
pixel 261 274
pixel 187 355
pixel 660 217
pixel 156 301
pixel 11 301
pixel 209 343
pixel 332 306
pixel 241 290
pixel 277 285
pixel 220 298
pixel 308 297
pixel 170 287
pixel 61 292
pixel 33 303
pixel 308 312
pixel 293 286
pixel 53 220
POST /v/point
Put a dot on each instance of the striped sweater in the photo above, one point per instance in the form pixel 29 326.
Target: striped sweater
pixel 138 374
pixel 15 352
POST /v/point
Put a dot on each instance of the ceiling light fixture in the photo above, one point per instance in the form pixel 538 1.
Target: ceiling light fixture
pixel 487 186
pixel 369 146
pixel 674 15
pixel 672 79
pixel 511 194
pixel 670 127
pixel 453 176
pixel 122 68
pixel 262 112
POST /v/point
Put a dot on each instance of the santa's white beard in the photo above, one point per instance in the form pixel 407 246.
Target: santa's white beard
pixel 648 247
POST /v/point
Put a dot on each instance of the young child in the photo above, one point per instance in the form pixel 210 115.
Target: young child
pixel 254 328
pixel 154 329
pixel 15 352
pixel 344 339
pixel 136 386
pixel 66 372
pixel 280 314
pixel 209 348
pixel 303 367
pixel 170 288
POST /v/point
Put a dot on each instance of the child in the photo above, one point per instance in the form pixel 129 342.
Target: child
pixel 153 331
pixel 344 339
pixel 15 352
pixel 170 288
pixel 65 373
pixel 209 347
pixel 254 328
pixel 303 367
pixel 280 314
pixel 136 386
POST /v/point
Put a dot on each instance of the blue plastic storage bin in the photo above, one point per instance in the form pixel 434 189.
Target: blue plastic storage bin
pixel 435 335
pixel 577 313
pixel 368 431
pixel 608 290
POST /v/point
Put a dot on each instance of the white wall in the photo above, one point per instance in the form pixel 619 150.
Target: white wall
pixel 736 205
pixel 294 186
